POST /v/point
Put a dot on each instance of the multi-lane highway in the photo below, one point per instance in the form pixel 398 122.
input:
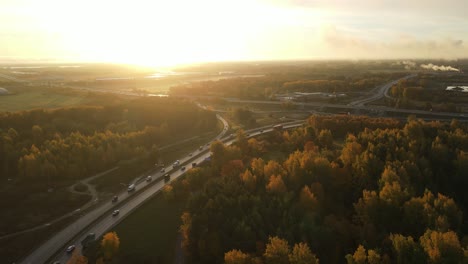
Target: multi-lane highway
pixel 99 220
pixel 354 107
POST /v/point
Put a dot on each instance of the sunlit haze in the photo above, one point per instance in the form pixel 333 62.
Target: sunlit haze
pixel 183 31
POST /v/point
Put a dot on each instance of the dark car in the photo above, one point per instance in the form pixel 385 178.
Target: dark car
pixel 183 168
pixel 167 177
pixel 115 199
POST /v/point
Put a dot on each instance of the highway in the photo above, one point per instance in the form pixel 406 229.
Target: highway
pixel 380 92
pixel 100 220
pixel 356 107
pixel 127 202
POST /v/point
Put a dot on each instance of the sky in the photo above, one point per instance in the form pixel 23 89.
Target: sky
pixel 160 33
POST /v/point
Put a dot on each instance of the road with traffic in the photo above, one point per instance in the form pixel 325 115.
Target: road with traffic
pixel 127 202
pixel 100 220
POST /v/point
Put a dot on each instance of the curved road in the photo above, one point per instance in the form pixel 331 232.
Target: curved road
pixel 99 220
pixel 380 92
pixel 356 107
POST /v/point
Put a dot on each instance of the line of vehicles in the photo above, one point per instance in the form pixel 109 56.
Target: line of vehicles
pixel 132 187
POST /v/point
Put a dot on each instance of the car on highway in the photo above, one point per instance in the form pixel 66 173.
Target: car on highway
pixel 149 178
pixel 167 177
pixel 115 212
pixel 183 168
pixel 131 188
pixel 200 148
pixel 71 248
pixel 115 199
pixel 190 154
pixel 163 170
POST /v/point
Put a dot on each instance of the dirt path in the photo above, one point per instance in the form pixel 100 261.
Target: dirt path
pixel 91 190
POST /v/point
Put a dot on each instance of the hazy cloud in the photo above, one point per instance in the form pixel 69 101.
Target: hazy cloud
pixel 360 43
pixel 185 30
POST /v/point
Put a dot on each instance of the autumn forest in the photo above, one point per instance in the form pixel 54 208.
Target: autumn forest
pixel 339 189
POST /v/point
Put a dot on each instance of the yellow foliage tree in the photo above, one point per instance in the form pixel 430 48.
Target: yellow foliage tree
pixel 110 245
pixel 308 200
pixel 77 258
pixel 301 254
pixel 277 251
pixel 276 185
pixel 236 257
pixel 249 180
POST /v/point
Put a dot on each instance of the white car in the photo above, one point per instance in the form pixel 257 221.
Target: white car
pixel 71 248
pixel 115 212
pixel 149 178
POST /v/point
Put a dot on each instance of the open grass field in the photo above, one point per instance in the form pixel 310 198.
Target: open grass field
pixel 31 99
pixel 28 211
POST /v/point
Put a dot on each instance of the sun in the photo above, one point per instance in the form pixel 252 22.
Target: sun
pixel 166 33
pixel 156 33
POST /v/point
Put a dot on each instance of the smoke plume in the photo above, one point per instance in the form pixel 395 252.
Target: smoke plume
pixel 409 64
pixel 433 67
